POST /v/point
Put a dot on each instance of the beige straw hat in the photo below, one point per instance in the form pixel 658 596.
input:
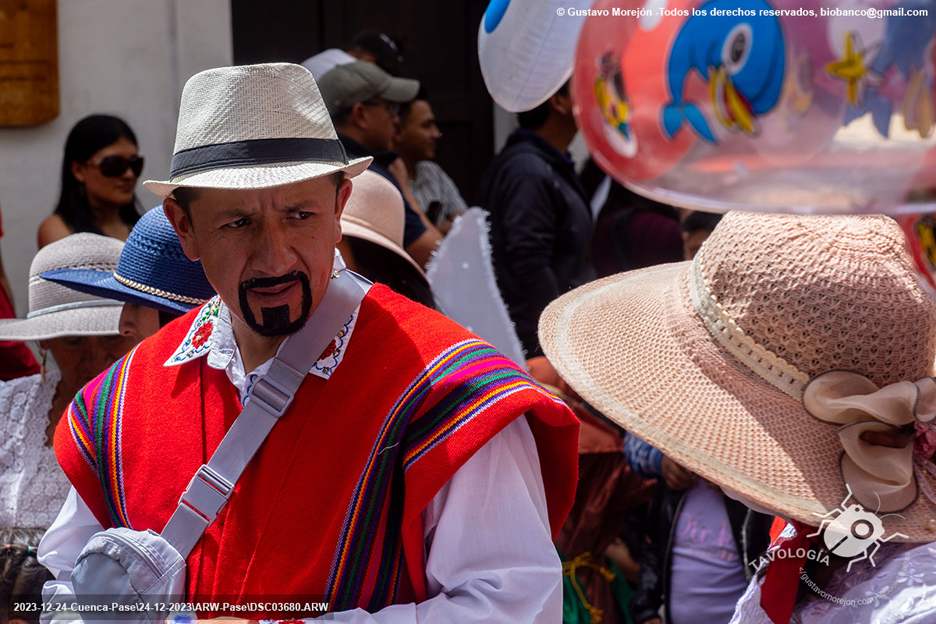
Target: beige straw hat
pixel 724 363
pixel 375 213
pixel 55 310
pixel 253 126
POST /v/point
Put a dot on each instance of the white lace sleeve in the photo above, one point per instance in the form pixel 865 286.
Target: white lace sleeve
pixel 32 486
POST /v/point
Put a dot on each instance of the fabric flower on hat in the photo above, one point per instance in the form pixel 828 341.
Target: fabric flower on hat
pixel 924 443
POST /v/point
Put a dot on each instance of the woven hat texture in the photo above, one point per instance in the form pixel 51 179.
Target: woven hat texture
pixel 153 271
pixel 56 311
pixel 811 294
pixel 230 105
pixel 375 213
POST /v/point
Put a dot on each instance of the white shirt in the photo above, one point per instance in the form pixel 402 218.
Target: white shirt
pixel 489 552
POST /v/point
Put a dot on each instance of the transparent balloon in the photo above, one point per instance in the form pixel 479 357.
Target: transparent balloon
pixel 781 106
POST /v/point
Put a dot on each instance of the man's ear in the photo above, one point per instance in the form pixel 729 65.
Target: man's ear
pixel 341 199
pixel 182 225
pixel 359 117
pixel 561 103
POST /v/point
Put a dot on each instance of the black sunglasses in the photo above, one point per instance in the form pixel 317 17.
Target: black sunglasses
pixel 116 166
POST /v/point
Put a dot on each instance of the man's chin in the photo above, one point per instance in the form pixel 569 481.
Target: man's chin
pixel 274 316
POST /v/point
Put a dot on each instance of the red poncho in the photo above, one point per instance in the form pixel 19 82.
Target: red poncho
pixel 330 507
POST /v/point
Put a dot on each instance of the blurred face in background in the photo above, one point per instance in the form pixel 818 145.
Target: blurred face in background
pixel 82 358
pixel 418 133
pixel 102 187
pixel 692 242
pixel 138 321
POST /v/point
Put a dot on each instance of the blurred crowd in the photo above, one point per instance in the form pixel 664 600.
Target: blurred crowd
pixel 646 541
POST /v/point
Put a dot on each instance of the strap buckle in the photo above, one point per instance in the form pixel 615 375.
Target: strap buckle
pixel 207 493
pixel 271 391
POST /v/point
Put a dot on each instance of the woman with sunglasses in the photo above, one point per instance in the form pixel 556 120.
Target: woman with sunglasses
pixel 99 174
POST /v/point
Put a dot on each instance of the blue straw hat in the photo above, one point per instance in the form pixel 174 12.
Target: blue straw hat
pixel 152 271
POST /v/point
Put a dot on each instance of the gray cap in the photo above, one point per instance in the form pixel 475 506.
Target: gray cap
pixel 346 85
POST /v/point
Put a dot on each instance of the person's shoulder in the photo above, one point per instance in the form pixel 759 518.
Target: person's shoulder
pixel 391 314
pixel 51 229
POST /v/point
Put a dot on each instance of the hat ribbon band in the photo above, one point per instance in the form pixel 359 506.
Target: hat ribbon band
pixel 256 152
pixel 94 303
pixel 765 363
pixel 129 283
pixel 882 478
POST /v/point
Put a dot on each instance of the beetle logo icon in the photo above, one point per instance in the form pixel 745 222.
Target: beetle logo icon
pixel 851 531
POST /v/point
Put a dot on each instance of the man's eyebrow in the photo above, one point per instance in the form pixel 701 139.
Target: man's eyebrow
pixel 304 204
pixel 232 214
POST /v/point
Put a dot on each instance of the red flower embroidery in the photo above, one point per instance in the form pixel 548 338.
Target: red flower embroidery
pixel 202 334
pixel 329 350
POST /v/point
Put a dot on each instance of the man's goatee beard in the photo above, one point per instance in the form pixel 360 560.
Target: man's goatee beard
pixel 276 320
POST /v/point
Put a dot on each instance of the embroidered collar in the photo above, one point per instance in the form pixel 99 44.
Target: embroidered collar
pixel 211 334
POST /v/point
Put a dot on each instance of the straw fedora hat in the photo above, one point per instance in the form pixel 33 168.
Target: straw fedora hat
pixel 153 271
pixel 763 364
pixel 253 126
pixel 375 213
pixel 56 311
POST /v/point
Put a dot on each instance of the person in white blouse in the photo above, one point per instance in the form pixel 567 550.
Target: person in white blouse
pixel 81 334
pixel 418 475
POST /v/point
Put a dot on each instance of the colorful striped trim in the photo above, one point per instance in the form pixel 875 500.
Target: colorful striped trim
pixel 457 386
pixel 94 419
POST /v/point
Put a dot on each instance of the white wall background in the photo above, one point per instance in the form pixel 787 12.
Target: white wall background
pixel 128 58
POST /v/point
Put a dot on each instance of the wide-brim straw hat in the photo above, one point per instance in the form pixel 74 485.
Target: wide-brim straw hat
pixel 710 360
pixel 375 213
pixel 56 311
pixel 153 271
pixel 253 126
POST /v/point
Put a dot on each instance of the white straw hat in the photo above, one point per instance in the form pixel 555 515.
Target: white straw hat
pixel 253 126
pixel 761 364
pixel 55 310
pixel 375 213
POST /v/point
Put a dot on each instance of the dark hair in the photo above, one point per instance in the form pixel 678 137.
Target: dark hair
pixel 407 107
pixel 534 119
pixel 379 264
pixel 21 574
pixel 698 220
pixel 184 196
pixel 385 49
pixel 91 134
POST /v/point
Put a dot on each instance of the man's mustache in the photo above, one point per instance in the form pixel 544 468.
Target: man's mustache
pixel 267 282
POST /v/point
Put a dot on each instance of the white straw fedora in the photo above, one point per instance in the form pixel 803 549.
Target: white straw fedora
pixel 375 213
pixel 761 364
pixel 253 126
pixel 55 310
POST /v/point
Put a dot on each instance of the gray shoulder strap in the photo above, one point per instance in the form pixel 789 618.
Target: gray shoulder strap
pixel 269 399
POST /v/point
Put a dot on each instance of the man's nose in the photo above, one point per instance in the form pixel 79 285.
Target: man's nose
pixel 128 321
pixel 272 253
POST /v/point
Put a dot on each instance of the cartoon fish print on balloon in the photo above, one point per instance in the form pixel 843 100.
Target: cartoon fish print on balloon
pixel 897 71
pixel 742 59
